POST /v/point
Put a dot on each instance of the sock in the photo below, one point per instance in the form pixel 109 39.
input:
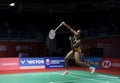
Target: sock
pixel 91 67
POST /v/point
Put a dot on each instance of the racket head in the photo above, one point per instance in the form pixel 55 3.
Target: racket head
pixel 52 34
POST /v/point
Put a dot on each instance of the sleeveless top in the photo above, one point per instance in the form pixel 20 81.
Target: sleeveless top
pixel 78 49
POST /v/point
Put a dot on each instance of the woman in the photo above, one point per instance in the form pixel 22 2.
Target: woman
pixel 75 50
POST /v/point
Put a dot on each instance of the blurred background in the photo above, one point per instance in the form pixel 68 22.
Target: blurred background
pixel 25 24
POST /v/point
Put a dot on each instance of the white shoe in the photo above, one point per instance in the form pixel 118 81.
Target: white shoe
pixel 92 69
pixel 66 72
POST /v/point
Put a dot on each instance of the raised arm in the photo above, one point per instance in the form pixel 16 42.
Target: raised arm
pixel 69 28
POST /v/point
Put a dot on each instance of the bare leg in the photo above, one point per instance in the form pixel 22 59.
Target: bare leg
pixel 77 60
pixel 68 56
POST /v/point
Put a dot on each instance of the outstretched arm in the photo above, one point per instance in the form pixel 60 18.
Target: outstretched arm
pixel 69 28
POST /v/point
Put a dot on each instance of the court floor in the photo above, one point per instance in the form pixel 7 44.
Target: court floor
pixel 75 76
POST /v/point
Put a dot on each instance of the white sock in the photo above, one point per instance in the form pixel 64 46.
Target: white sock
pixel 91 67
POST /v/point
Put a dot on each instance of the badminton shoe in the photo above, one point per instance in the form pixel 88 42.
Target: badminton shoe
pixel 92 69
pixel 66 72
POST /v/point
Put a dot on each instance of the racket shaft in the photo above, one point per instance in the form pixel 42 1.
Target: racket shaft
pixel 58 27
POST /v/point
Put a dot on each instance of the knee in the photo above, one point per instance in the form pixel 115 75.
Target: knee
pixel 78 62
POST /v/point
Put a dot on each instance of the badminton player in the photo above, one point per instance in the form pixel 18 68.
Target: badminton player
pixel 75 50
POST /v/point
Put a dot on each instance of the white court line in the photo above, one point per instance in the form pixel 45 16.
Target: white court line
pixel 101 75
pixel 64 81
pixel 82 77
pixel 107 76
